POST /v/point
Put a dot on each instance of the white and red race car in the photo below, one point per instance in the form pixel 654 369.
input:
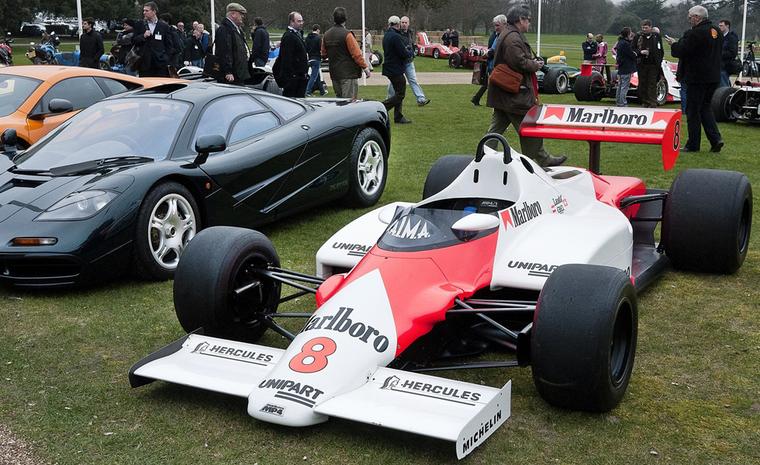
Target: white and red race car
pixel 432 49
pixel 501 255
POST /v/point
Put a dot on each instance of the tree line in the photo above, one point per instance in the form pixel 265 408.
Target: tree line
pixel 470 17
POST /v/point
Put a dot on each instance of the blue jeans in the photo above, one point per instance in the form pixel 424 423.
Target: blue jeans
pixel 724 79
pixel 315 75
pixel 411 77
pixel 683 98
pixel 624 82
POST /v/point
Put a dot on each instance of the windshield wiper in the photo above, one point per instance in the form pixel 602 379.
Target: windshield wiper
pixel 97 165
pixel 16 170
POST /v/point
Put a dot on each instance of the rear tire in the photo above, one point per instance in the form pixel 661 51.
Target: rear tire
pixel 583 341
pixel 443 172
pixel 707 221
pixel 455 60
pixel 368 170
pixel 216 263
pixel 588 88
pixel 720 104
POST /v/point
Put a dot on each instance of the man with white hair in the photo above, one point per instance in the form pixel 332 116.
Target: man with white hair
pixel 499 23
pixel 397 52
pixel 700 51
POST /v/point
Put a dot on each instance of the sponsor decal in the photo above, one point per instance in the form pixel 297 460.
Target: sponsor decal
pixel 534 268
pixel 292 391
pixel 233 353
pixel 342 323
pixel 432 391
pixel 519 215
pixel 482 432
pixel 272 409
pixel 353 250
pixel 489 203
pixel 559 204
pixel 404 228
pixel 603 116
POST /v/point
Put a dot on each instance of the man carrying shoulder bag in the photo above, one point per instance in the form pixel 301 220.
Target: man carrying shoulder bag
pixel 514 55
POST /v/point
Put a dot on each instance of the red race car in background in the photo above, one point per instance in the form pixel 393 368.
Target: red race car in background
pixel 468 57
pixel 432 49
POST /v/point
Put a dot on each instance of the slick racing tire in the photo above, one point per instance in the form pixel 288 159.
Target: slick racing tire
pixel 555 81
pixel 443 172
pixel 368 168
pixel 721 104
pixel 707 221
pixel 583 341
pixel 168 219
pixel 217 286
pixel 588 88
pixel 455 60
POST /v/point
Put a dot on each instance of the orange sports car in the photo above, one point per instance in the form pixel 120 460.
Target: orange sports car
pixel 26 92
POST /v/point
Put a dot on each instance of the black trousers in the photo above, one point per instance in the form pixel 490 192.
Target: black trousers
pixel 399 92
pixel 699 113
pixel 295 88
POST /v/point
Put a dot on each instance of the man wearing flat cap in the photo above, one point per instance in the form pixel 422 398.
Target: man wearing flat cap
pixel 230 48
pixel 397 53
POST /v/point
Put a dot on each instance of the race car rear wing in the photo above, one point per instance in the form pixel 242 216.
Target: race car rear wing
pixel 596 124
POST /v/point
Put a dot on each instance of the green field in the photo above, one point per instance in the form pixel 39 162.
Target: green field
pixel 694 396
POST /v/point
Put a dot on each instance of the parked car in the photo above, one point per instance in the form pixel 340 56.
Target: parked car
pixel 468 57
pixel 27 91
pixel 740 103
pixel 432 49
pixel 596 85
pixel 128 182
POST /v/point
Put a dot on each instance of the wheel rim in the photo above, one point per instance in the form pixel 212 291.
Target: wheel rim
pixel 172 224
pixel 562 84
pixel 435 53
pixel 662 91
pixel 371 168
pixel 250 293
pixel 621 344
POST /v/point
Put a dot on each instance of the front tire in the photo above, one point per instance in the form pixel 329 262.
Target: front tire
pixel 167 221
pixel 368 169
pixel 707 221
pixel 443 172
pixel 217 287
pixel 583 341
pixel 721 104
pixel 555 81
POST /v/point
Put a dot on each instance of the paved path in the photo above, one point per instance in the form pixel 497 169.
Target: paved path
pixel 429 78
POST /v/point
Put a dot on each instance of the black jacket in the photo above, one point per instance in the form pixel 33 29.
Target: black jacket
pixel 293 61
pixel 193 49
pixel 626 57
pixel 396 53
pixel 314 46
pixel 699 50
pixel 651 42
pixel 589 49
pixel 729 51
pixel 230 50
pixel 155 52
pixel 90 49
pixel 409 38
pixel 260 38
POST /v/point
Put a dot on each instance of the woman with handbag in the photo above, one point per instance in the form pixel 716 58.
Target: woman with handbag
pixel 513 87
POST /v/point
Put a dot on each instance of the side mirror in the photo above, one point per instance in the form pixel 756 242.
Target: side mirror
pixel 476 222
pixel 60 105
pixel 209 144
pixel 9 141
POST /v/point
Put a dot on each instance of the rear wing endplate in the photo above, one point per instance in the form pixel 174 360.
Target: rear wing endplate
pixel 596 124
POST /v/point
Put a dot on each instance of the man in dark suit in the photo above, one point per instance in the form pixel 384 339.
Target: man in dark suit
pixel 699 51
pixel 260 35
pixel 397 52
pixel 90 45
pixel 293 63
pixel 231 49
pixel 728 55
pixel 153 37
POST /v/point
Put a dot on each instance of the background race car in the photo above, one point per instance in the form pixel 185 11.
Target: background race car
pixel 593 85
pixel 468 57
pixel 432 49
pixel 740 103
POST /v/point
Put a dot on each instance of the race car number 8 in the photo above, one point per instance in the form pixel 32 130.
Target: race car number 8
pixel 313 355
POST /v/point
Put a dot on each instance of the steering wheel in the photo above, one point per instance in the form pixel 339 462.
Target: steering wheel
pixel 133 145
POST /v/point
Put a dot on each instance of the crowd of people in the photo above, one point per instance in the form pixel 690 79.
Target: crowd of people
pixel 153 46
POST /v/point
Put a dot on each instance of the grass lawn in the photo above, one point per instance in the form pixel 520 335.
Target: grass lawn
pixel 694 396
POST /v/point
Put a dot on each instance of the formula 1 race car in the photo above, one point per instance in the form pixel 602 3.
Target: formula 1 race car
pixel 737 103
pixel 468 57
pixel 593 84
pixel 500 255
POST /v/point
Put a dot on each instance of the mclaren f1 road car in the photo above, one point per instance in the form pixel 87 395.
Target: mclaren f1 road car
pixel 500 255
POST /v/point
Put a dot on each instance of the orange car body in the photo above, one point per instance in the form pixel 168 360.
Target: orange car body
pixel 31 121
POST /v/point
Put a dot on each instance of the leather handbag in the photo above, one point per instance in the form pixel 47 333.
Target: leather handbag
pixel 506 78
